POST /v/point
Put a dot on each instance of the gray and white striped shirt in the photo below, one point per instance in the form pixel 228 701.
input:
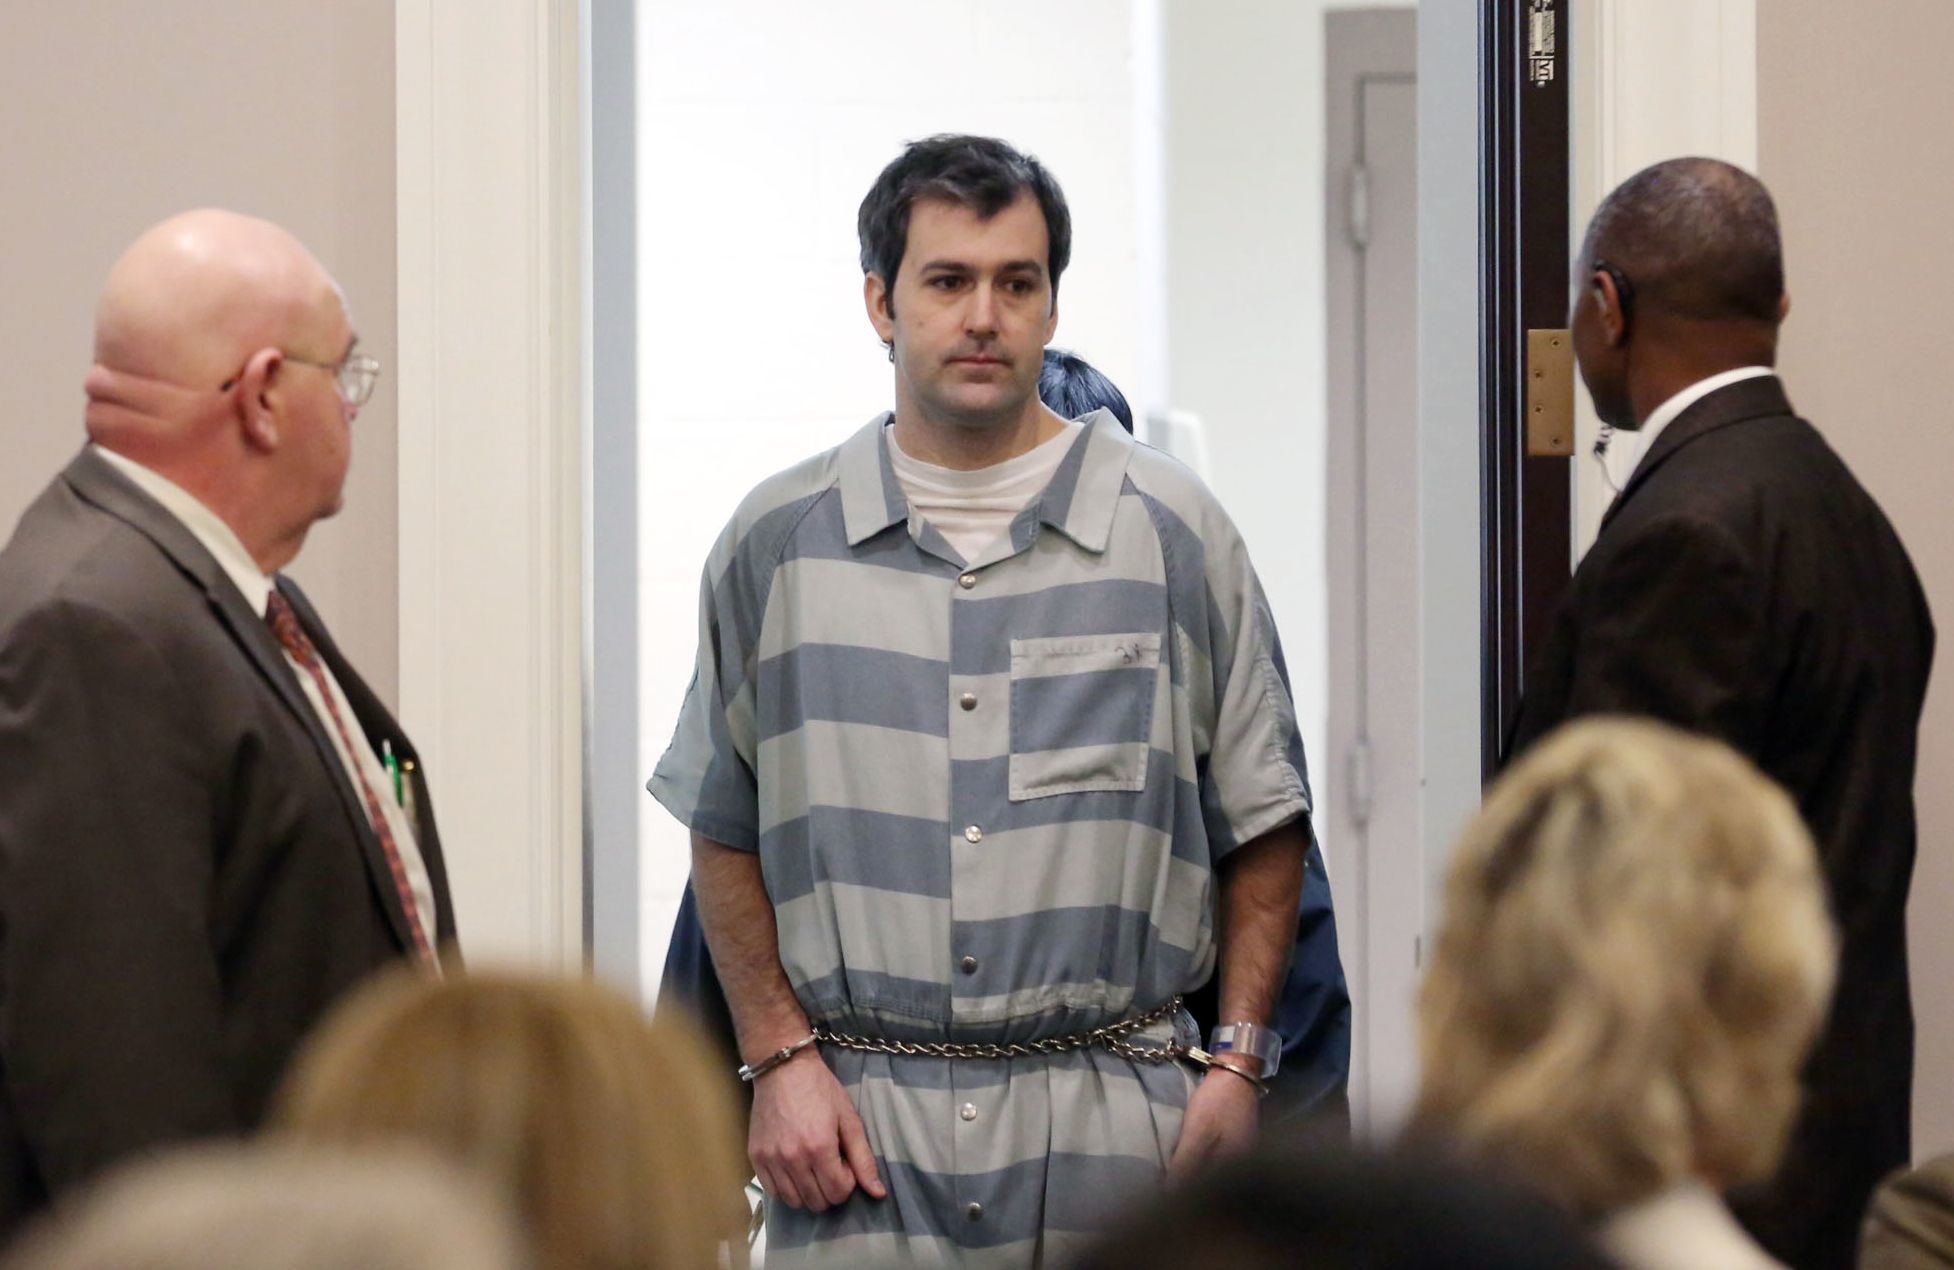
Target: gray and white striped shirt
pixel 989 797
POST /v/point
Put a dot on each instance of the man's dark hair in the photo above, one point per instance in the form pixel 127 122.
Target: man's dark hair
pixel 981 173
pixel 1697 238
pixel 1074 387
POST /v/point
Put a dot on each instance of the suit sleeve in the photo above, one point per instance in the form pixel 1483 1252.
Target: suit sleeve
pixel 110 1032
pixel 1674 629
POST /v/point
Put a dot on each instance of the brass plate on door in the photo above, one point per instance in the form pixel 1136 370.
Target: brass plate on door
pixel 1550 394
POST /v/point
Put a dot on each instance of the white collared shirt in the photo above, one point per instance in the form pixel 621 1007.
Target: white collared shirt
pixel 1626 449
pixel 222 543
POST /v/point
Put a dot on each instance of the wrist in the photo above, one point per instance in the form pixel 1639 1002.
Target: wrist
pixel 768 1037
pixel 1236 1063
pixel 1249 1048
pixel 756 1066
pixel 1233 1071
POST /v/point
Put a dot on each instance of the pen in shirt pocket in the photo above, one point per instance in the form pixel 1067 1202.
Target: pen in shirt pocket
pixel 392 764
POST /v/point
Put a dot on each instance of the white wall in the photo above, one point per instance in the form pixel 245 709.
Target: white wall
pixel 1244 179
pixel 761 123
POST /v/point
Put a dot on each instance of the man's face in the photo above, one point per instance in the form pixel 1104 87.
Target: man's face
pixel 971 311
pixel 318 422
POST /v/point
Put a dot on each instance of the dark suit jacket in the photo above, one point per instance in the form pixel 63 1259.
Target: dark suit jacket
pixel 187 878
pixel 1744 585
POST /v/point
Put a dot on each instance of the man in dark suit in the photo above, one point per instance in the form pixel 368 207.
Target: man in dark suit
pixel 201 848
pixel 1745 585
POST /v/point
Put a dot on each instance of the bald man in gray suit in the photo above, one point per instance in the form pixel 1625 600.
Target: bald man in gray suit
pixel 200 850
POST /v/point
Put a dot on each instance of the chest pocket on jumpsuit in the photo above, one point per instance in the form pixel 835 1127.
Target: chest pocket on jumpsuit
pixel 1081 713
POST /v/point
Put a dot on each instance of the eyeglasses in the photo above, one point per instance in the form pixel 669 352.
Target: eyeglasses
pixel 354 375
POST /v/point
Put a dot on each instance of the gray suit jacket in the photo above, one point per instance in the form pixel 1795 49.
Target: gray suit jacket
pixel 188 880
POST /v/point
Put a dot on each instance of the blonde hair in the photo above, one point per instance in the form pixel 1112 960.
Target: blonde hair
pixel 1634 956
pixel 278 1208
pixel 607 1130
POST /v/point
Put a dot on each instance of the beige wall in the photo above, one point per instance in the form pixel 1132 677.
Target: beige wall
pixel 1853 138
pixel 120 112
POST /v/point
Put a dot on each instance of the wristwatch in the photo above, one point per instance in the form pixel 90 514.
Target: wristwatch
pixel 1250 1040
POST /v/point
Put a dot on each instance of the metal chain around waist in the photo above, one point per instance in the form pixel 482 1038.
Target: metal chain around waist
pixel 1110 1038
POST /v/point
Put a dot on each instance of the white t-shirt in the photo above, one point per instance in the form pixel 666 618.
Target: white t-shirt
pixel 974 509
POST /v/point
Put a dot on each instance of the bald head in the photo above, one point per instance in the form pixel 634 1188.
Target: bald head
pixel 197 294
pixel 218 343
pixel 1697 239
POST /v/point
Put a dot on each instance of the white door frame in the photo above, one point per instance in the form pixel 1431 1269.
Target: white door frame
pixel 1652 80
pixel 1449 497
pixel 1367 776
pixel 492 403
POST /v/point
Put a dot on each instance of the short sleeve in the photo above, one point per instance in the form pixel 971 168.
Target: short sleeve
pixel 1255 778
pixel 706 776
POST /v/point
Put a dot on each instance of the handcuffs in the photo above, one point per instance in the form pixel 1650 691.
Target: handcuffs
pixel 1247 1040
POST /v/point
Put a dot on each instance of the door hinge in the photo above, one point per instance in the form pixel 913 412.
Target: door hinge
pixel 1360 206
pixel 1358 779
pixel 1550 393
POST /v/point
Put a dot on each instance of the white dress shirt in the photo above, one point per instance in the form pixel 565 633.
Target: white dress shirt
pixel 222 543
pixel 1626 449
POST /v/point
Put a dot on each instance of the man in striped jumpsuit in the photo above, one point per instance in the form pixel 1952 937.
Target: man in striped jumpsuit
pixel 989 756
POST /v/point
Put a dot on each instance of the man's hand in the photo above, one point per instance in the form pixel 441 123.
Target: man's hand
pixel 1261 884
pixel 807 1142
pixel 1220 1122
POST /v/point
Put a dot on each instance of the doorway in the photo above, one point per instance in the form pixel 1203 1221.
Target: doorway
pixel 1373 541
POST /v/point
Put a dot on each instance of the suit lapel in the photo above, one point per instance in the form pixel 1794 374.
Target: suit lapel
pixel 375 721
pixel 98 483
pixel 107 489
pixel 1760 398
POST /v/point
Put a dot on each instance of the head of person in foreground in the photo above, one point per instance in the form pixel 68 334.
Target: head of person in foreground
pixel 1633 957
pixel 265 1207
pixel 606 1131
pixel 1331 1209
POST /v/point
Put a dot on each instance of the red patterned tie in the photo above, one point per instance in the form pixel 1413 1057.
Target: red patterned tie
pixel 285 625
